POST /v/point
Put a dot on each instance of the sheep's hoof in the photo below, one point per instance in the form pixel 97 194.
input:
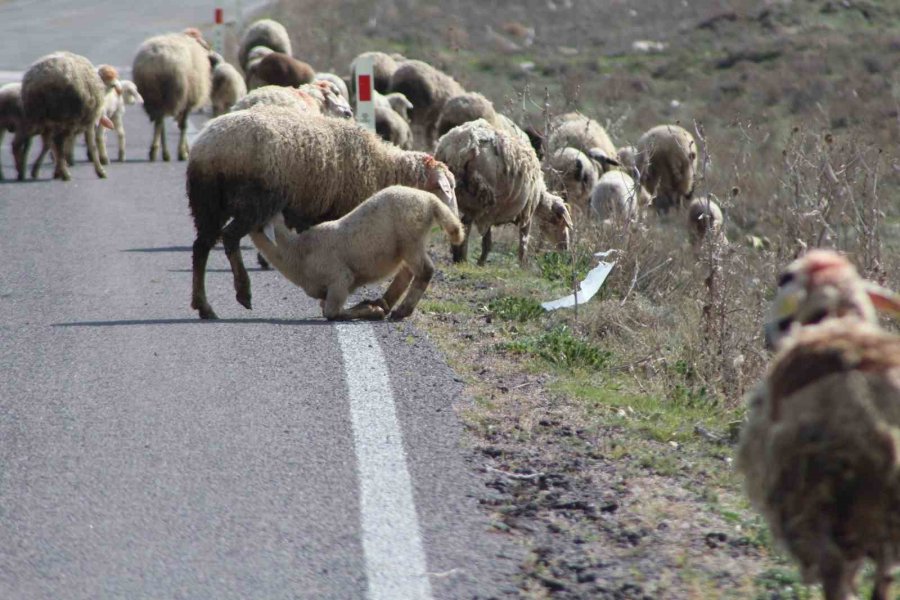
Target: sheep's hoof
pixel 152 154
pixel 166 157
pixel 101 173
pixel 400 314
pixel 244 300
pixel 104 160
pixel 121 158
pixel 208 314
pixel 182 156
pixel 263 263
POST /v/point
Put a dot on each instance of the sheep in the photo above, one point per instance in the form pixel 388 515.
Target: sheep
pixel 463 108
pixel 392 127
pixel 309 98
pixel 584 134
pixel 399 103
pixel 173 74
pixel 617 198
pixel 573 174
pixel 227 88
pixel 819 451
pixel 384 235
pixel 428 89
pixel 266 33
pixel 383 68
pixel 253 57
pixel 249 165
pixel 277 68
pixel 704 221
pixel 339 84
pixel 62 96
pixel 667 161
pixel 114 108
pixel 499 180
pixel 12 116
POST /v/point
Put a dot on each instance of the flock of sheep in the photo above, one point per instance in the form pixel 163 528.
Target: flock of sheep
pixel 333 206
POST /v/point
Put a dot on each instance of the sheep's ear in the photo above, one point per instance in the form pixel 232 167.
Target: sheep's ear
pixel 883 299
pixel 602 158
pixel 562 214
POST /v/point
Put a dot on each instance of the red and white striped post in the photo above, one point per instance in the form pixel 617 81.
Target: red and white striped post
pixel 365 102
pixel 218 30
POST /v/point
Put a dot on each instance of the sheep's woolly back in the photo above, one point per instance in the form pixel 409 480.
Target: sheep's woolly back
pixel 667 161
pixel 393 128
pixel 339 84
pixel 498 176
pixel 320 168
pixel 383 67
pixel 704 216
pixel 173 74
pixel 428 89
pixel 308 98
pixel 464 108
pixel 227 87
pixel 61 92
pixel 616 196
pixel 571 172
pixel 264 32
pixel 578 131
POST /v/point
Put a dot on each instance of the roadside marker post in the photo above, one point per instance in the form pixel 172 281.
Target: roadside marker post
pixel 365 102
pixel 217 30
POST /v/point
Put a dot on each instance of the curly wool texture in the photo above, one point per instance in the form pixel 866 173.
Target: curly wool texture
pixel 319 168
pixel 308 98
pixel 62 94
pixel 265 32
pixel 173 74
pixel 499 178
pixel 617 196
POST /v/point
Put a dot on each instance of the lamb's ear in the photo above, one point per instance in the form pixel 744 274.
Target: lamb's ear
pixel 269 232
pixel 601 157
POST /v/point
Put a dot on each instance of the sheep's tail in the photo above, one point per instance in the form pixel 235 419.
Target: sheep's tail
pixel 448 221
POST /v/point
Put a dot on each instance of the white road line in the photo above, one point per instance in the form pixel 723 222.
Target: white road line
pixel 395 559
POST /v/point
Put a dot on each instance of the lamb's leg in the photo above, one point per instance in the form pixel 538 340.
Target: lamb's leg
pixel 46 143
pixel 461 252
pixel 120 133
pixel 182 139
pixel 524 236
pixel 159 139
pixel 333 306
pixel 100 137
pixel 423 270
pixel 59 153
pixel 486 243
pixel 202 246
pixel 70 149
pixel 397 288
pixel 21 145
pixel 96 152
pixel 231 239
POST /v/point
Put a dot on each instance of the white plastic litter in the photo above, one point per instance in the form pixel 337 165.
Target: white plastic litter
pixel 589 287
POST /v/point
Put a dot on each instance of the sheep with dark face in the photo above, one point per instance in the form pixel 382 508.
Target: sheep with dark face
pixel 249 165
pixel 499 181
pixel 173 75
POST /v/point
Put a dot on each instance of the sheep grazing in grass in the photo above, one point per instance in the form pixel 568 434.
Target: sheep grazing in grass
pixel 227 88
pixel 705 222
pixel 312 98
pixel 584 134
pixel 263 33
pixel 617 198
pixel 12 116
pixel 819 451
pixel 249 165
pixel 277 68
pixel 383 236
pixel 428 89
pixel 499 180
pixel 173 74
pixel 571 173
pixel 62 96
pixel 383 68
pixel 667 161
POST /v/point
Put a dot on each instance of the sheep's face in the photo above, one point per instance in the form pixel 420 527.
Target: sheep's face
pixel 130 93
pixel 819 286
pixel 555 220
pixel 441 183
pixel 335 104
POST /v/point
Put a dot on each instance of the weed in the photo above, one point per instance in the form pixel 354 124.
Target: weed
pixel 511 308
pixel 561 348
pixel 557 266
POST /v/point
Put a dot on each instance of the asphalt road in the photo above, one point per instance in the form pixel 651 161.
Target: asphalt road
pixel 147 454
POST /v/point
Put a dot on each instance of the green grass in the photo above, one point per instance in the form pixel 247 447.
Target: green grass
pixel 560 348
pixel 512 308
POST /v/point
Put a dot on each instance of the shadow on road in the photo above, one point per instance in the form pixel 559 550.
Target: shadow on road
pixel 192 321
pixel 172 249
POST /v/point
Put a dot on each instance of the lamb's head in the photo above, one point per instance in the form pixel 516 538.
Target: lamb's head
pixel 400 104
pixel 193 32
pixel 554 220
pixel 441 182
pixel 130 93
pixel 110 77
pixel 334 102
pixel 822 285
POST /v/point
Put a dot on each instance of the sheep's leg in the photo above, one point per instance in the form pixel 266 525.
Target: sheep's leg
pixel 96 152
pixel 182 139
pixel 202 246
pixel 159 139
pixel 837 578
pixel 45 148
pixel 100 137
pixel 21 146
pixel 423 270
pixel 2 134
pixel 461 252
pixel 120 133
pixel 883 579
pixel 486 243
pixel 231 239
pixel 333 306
pixel 70 148
pixel 397 288
pixel 524 236
pixel 59 153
